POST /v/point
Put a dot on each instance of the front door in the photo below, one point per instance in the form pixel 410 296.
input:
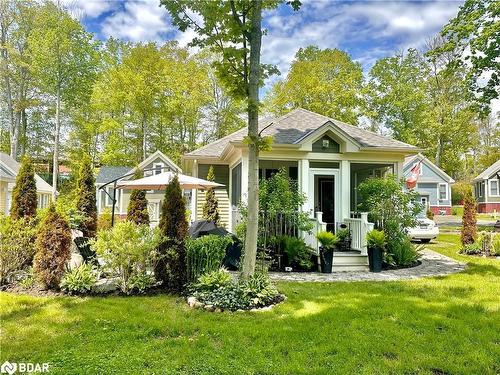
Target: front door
pixel 325 199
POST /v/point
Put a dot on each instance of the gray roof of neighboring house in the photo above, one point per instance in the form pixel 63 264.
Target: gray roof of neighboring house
pixel 431 165
pixel 107 173
pixel 488 172
pixel 293 127
pixel 12 166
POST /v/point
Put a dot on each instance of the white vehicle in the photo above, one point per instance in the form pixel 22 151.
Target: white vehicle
pixel 425 231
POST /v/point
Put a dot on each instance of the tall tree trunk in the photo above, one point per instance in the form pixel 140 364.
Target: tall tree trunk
pixel 439 151
pixel 55 164
pixel 24 127
pixel 144 138
pixel 253 147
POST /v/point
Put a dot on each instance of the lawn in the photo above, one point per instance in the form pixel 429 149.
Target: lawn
pixel 445 325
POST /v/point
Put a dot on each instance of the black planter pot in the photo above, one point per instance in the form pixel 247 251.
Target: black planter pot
pixel 375 257
pixel 326 258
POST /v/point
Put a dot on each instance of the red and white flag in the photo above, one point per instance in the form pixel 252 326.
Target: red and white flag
pixel 411 181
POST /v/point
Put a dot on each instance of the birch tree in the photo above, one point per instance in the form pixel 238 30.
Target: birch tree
pixel 234 29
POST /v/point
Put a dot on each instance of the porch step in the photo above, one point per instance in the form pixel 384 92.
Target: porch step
pixel 349 261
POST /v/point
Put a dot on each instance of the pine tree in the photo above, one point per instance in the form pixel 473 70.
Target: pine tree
pixel 171 268
pixel 24 198
pixel 52 249
pixel 469 220
pixel 211 206
pixel 137 211
pixel 86 199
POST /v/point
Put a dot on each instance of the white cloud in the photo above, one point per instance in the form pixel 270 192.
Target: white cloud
pixel 88 8
pixel 138 21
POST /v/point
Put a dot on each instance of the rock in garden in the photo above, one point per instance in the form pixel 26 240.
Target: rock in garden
pixel 209 307
pixel 192 301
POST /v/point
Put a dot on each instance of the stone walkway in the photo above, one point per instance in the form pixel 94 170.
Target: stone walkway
pixel 433 264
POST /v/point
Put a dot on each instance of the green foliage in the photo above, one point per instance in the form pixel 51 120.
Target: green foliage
pixel 28 279
pixel 392 210
pixel 104 219
pixel 137 211
pixel 205 254
pixel 52 249
pixel 211 205
pixel 475 32
pixel 171 267
pixel 376 239
pixel 469 219
pixel 343 234
pixel 86 198
pixel 140 282
pixel 213 280
pixel 220 290
pixel 474 248
pixel 24 198
pixel 495 244
pixel 401 254
pixel 17 246
pixel 298 253
pixel 429 214
pixel 328 240
pixel 127 249
pixel 79 280
pixel 314 75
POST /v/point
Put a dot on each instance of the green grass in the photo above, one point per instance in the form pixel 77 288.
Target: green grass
pixel 428 326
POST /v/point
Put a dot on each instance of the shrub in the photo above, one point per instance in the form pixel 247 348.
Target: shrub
pixel 86 198
pixel 213 280
pixel 17 246
pixel 429 214
pixel 495 245
pixel 298 253
pixel 205 254
pixel 402 254
pixel 469 220
pixel 28 279
pixel 376 239
pixel 52 249
pixel 127 249
pixel 24 198
pixel 343 234
pixel 328 240
pixel 211 205
pixel 171 267
pixel 79 280
pixel 220 290
pixel 137 211
pixel 474 248
pixel 141 281
pixel 104 219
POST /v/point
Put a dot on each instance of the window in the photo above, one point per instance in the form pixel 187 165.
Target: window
pixel 443 192
pixel 158 168
pixel 494 188
pixel 107 200
pixel 479 188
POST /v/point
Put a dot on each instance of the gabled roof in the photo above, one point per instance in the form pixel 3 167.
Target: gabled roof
pixel 110 173
pixel 415 158
pixel 488 172
pixel 161 155
pixel 297 125
pixel 11 166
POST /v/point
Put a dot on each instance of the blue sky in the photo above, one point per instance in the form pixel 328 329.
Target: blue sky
pixel 367 30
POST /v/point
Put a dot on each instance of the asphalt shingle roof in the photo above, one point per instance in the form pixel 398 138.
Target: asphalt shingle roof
pixel 107 173
pixel 41 185
pixel 488 172
pixel 295 126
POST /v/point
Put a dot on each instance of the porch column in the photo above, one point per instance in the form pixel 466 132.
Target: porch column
pixel 399 169
pixel 244 177
pixel 304 184
pixel 345 192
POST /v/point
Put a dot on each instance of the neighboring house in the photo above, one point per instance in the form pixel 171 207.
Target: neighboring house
pixel 159 161
pixel 328 158
pixel 8 172
pixel 487 189
pixel 433 184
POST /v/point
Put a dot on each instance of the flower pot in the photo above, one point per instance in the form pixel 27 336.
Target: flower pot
pixel 326 260
pixel 375 257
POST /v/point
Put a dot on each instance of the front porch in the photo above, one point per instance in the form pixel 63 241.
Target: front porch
pixel 332 199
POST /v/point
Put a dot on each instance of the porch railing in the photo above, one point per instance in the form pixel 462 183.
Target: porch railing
pixel 318 225
pixel 359 228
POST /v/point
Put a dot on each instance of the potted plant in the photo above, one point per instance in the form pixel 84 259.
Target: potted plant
pixel 376 245
pixel 344 237
pixel 328 240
